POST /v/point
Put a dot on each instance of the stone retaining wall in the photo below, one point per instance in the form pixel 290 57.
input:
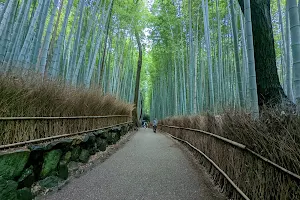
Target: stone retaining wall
pixel 46 165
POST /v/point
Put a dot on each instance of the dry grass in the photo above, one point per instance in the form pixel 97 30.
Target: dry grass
pixel 31 97
pixel 21 97
pixel 273 136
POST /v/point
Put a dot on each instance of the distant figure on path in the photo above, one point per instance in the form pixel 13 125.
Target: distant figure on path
pixel 145 125
pixel 154 125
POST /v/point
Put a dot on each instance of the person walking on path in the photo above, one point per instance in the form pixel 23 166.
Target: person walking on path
pixel 154 125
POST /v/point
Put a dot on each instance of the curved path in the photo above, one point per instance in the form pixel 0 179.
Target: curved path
pixel 149 166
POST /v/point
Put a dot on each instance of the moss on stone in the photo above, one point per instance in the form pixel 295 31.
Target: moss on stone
pixel 67 157
pixel 49 182
pixel 75 153
pixel 101 144
pixel 8 189
pixel 13 163
pixel 27 178
pixel 63 171
pixel 51 159
pixel 24 194
pixel 84 156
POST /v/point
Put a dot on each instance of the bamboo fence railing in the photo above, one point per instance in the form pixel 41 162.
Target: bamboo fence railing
pixel 21 129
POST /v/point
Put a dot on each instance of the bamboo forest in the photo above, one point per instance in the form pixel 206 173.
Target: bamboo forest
pixel 201 71
pixel 196 55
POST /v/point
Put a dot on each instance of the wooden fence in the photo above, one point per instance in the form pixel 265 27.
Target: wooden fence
pixel 256 176
pixel 21 129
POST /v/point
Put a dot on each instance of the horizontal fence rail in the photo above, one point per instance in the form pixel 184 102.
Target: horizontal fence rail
pixel 21 129
pixel 240 146
pixel 58 137
pixel 257 176
pixel 216 166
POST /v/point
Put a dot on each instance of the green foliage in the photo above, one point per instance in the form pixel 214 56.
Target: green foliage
pixel 163 26
pixel 169 36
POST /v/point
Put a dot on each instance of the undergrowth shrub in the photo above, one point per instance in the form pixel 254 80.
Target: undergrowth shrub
pixel 275 136
pixel 30 96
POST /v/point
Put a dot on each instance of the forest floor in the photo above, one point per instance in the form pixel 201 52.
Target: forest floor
pixel 149 166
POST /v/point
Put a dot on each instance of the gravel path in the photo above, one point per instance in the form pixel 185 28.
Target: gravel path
pixel 150 166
